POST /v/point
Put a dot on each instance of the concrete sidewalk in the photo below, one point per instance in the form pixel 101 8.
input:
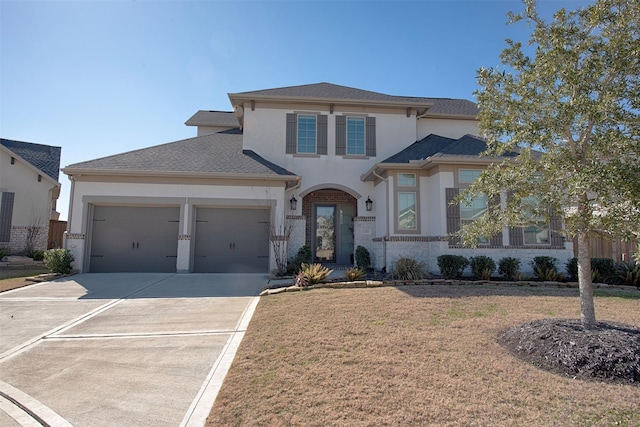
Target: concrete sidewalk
pixel 121 349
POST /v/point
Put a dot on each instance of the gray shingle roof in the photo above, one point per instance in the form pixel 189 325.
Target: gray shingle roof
pixel 329 91
pixel 215 153
pixel 213 118
pixel 436 145
pixel 44 157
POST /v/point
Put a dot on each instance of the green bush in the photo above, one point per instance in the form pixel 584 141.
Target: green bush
pixel 605 268
pixel 602 270
pixel 482 266
pixel 58 260
pixel 452 266
pixel 572 268
pixel 354 273
pixel 36 255
pixel 629 273
pixel 509 268
pixel 363 259
pixel 3 253
pixel 311 274
pixel 408 269
pixel 303 256
pixel 544 268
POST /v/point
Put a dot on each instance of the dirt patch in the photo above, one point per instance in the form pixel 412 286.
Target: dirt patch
pixel 608 352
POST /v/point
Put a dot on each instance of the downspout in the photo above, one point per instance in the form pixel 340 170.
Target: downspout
pixel 385 238
pixel 70 213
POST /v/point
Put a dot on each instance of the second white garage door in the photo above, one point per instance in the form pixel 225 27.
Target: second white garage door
pixel 231 240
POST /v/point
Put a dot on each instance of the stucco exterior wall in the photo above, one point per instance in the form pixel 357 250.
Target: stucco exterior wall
pixel 451 128
pixel 33 202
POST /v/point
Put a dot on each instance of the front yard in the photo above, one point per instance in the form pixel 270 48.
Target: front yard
pixel 414 355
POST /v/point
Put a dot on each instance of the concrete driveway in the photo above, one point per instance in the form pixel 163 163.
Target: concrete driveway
pixel 121 349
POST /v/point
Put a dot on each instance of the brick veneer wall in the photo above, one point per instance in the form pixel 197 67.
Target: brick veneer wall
pixel 322 197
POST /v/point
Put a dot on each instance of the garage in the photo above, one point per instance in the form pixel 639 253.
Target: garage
pixel 231 240
pixel 134 239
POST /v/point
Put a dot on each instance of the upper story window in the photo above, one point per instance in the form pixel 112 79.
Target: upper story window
pixel 306 133
pixel 355 135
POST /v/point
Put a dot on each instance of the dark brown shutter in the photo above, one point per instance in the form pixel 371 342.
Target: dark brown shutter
pixel 292 133
pixel 322 135
pixel 453 215
pixel 555 227
pixel 494 205
pixel 516 236
pixel 370 136
pixel 6 214
pixel 341 135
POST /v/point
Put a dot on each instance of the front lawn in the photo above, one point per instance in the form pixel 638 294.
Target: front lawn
pixel 414 355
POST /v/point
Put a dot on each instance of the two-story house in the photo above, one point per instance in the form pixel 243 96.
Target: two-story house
pixel 29 191
pixel 323 165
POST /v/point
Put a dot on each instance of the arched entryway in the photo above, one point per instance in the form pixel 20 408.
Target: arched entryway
pixel 329 215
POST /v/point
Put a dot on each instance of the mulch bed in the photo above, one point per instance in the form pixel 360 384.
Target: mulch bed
pixel 608 352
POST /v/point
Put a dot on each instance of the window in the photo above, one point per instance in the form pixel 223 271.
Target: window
pixel 355 135
pixel 407 216
pixel 406 180
pixel 472 211
pixel 306 134
pixel 538 232
pixel 467 176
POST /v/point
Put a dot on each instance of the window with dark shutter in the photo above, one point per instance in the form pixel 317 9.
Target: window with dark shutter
pixel 6 214
pixel 555 227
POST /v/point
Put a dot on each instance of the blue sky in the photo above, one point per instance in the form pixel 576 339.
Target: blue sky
pixel 103 77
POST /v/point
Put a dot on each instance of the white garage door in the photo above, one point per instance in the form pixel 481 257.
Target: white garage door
pixel 134 239
pixel 231 240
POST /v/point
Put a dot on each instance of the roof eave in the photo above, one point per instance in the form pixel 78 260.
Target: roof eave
pixel 449 116
pixel 429 163
pixel 142 173
pixel 338 101
pixel 30 166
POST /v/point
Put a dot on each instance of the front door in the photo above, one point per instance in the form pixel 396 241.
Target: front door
pixel 333 233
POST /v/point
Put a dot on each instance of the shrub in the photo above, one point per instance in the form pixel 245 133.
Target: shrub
pixel 509 268
pixel 629 273
pixel 354 273
pixel 544 268
pixel 408 269
pixel 363 259
pixel 3 253
pixel 482 266
pixel 572 268
pixel 36 255
pixel 58 260
pixel 602 269
pixel 311 274
pixel 303 256
pixel 452 266
pixel 605 268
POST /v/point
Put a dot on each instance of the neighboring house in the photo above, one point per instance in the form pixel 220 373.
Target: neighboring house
pixel 323 165
pixel 29 190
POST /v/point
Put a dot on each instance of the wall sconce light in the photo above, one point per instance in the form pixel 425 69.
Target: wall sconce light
pixel 369 204
pixel 293 203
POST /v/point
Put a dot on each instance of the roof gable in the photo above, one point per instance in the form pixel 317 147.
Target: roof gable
pixel 331 92
pixel 43 157
pixel 218 153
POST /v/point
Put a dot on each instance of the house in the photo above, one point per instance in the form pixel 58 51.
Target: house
pixel 30 189
pixel 323 165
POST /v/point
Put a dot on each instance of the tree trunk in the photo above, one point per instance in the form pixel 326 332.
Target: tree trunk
pixel 587 308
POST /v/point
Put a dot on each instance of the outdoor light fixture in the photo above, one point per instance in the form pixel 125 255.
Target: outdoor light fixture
pixel 293 203
pixel 369 204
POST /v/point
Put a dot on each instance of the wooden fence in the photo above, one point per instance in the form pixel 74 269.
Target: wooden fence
pixel 617 249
